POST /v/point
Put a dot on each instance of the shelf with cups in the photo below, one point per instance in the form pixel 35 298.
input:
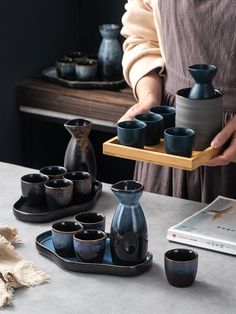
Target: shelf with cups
pixel 157 154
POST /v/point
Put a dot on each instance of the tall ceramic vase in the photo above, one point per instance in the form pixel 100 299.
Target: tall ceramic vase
pixel 129 236
pixel 200 107
pixel 80 154
pixel 110 53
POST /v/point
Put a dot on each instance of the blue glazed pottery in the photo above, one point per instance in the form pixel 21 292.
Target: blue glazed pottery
pixel 65 68
pixel 154 124
pixel 110 52
pixel 89 245
pixel 168 114
pixel 91 220
pixel 179 141
pixel 129 236
pixel 62 236
pixel 181 267
pixel 203 75
pixel 86 70
pixel 132 133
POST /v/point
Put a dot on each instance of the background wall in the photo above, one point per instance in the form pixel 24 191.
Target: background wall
pixel 33 34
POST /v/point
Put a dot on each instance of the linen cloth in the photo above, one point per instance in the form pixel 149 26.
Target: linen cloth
pixel 15 271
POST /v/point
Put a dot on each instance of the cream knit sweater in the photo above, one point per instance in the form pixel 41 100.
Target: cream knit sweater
pixel 143 46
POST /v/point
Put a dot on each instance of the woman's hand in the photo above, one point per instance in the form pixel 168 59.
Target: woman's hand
pixel 229 154
pixel 149 92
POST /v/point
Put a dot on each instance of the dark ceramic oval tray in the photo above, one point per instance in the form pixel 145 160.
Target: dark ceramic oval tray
pixel 24 212
pixel 45 247
pixel 50 74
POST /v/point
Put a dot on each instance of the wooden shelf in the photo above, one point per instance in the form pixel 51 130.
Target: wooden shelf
pixel 157 155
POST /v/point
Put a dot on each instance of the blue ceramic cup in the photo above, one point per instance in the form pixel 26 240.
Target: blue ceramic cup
pixel 91 220
pixel 179 141
pixel 132 133
pixel 154 124
pixel 181 267
pixel 168 114
pixel 89 245
pixel 62 236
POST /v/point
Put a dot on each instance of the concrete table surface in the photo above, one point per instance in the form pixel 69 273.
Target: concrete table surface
pixel 214 290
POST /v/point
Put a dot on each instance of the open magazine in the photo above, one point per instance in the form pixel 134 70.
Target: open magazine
pixel 213 227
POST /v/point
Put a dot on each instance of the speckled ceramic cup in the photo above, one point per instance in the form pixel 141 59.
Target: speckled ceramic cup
pixel 132 133
pixel 181 267
pixel 53 172
pixel 62 236
pixel 32 188
pixel 82 184
pixel 59 193
pixel 89 245
pixel 91 220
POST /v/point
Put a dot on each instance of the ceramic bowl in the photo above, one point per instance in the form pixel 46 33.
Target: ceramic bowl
pixel 65 68
pixel 181 267
pixel 62 236
pixel 32 188
pixel 91 220
pixel 179 141
pixel 86 70
pixel 53 172
pixel 59 193
pixel 132 133
pixel 89 245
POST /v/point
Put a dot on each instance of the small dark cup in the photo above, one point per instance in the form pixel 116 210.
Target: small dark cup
pixel 65 68
pixel 82 184
pixel 62 236
pixel 154 127
pixel 168 114
pixel 179 141
pixel 181 267
pixel 86 70
pixel 76 56
pixel 59 193
pixel 89 245
pixel 132 133
pixel 91 220
pixel 32 188
pixel 53 172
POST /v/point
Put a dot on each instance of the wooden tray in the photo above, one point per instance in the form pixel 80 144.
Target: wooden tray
pixel 157 155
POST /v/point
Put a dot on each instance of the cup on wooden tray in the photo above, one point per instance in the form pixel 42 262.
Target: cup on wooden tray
pixel 179 141
pixel 132 133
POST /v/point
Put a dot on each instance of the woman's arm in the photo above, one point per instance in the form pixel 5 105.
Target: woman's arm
pixel 149 92
pixel 142 61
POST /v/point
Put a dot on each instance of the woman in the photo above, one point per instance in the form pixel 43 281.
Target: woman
pixel 162 39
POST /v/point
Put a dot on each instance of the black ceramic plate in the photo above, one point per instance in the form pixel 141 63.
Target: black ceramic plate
pixel 50 74
pixel 106 267
pixel 24 212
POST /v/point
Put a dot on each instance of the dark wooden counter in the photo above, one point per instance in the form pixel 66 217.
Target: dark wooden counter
pixel 102 105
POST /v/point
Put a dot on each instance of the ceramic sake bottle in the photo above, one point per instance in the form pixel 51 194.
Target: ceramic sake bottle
pixel 80 155
pixel 200 107
pixel 110 53
pixel 129 236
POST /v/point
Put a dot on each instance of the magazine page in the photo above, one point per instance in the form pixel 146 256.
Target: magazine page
pixel 217 220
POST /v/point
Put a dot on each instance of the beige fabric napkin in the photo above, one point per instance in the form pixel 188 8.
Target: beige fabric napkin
pixel 15 271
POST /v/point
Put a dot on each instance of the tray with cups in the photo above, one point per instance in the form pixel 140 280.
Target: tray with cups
pixel 54 193
pixel 82 245
pixel 78 70
pixel 152 137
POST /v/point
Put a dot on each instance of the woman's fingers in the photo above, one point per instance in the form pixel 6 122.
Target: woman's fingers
pixel 222 137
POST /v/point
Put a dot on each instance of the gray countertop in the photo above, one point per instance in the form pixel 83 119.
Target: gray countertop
pixel 214 290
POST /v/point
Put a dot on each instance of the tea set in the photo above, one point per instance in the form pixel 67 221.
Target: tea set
pixel 191 125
